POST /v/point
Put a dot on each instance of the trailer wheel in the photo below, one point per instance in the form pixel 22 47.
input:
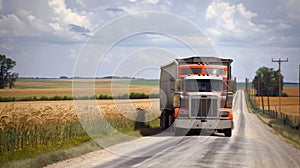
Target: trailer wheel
pixel 164 120
pixel 167 120
pixel 228 132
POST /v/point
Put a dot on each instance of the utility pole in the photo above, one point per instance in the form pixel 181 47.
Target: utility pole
pixel 299 99
pixel 246 85
pixel 262 93
pixel 268 98
pixel 279 61
pixel 258 92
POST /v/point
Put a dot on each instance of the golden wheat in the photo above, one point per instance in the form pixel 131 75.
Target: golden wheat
pixel 50 124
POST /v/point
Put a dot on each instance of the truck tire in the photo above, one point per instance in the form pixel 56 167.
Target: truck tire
pixel 167 120
pixel 162 123
pixel 164 120
pixel 228 132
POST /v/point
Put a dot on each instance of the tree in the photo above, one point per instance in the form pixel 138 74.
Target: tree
pixel 266 82
pixel 11 79
pixel 6 76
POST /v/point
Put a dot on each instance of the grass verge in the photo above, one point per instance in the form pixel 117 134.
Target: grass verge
pixel 289 134
pixel 40 157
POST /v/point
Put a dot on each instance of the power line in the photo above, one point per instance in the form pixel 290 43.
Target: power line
pixel 279 61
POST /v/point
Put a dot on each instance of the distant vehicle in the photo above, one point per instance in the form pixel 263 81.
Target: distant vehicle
pixel 196 93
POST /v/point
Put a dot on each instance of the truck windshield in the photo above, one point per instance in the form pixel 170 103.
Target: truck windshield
pixel 203 85
pixel 186 71
pixel 215 71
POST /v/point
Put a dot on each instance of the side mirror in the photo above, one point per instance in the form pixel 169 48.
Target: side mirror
pixel 176 86
pixel 177 99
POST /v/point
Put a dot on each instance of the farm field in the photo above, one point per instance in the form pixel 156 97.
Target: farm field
pixel 291 91
pixel 290 105
pixel 33 127
pixel 63 87
pixel 50 124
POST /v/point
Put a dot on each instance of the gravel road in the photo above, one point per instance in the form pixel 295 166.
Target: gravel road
pixel 252 145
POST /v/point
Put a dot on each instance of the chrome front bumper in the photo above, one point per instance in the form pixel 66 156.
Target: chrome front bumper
pixel 203 124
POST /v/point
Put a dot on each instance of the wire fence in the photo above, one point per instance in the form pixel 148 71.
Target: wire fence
pixel 271 110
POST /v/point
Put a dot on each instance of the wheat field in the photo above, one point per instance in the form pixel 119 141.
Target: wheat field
pixel 48 124
pixel 289 105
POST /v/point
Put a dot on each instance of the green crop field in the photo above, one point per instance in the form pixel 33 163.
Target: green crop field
pixel 63 87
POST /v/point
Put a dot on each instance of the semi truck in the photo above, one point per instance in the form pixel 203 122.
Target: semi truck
pixel 196 94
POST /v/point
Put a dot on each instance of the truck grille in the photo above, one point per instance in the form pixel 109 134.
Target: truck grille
pixel 205 106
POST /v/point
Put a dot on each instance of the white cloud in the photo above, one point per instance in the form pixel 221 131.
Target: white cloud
pixel 6 47
pixel 56 26
pixel 235 21
pixel 293 9
pixel 22 24
pixel 283 26
pixel 107 58
pixel 80 2
pixel 244 12
pixel 12 25
pixel 154 2
pixel 56 23
pixel 129 10
pixel 66 15
pixel 72 53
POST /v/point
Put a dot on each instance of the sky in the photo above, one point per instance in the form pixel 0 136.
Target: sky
pixel 134 38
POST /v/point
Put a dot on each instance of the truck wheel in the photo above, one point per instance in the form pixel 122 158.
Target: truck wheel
pixel 164 120
pixel 228 132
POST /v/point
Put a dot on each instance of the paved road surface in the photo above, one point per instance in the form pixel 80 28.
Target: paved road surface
pixel 252 145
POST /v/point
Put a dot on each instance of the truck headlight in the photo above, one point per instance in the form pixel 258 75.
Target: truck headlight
pixel 176 101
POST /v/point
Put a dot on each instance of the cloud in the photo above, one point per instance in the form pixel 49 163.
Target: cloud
pixel 107 58
pixel 80 2
pixel 6 47
pixel 66 15
pixel 22 24
pixel 113 12
pixel 72 53
pixel 232 21
pixel 293 9
pixel 80 29
pixel 153 2
pixel 11 25
pixel 57 23
pixel 283 26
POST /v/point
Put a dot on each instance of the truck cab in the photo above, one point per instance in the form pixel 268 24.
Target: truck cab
pixel 202 106
pixel 196 93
